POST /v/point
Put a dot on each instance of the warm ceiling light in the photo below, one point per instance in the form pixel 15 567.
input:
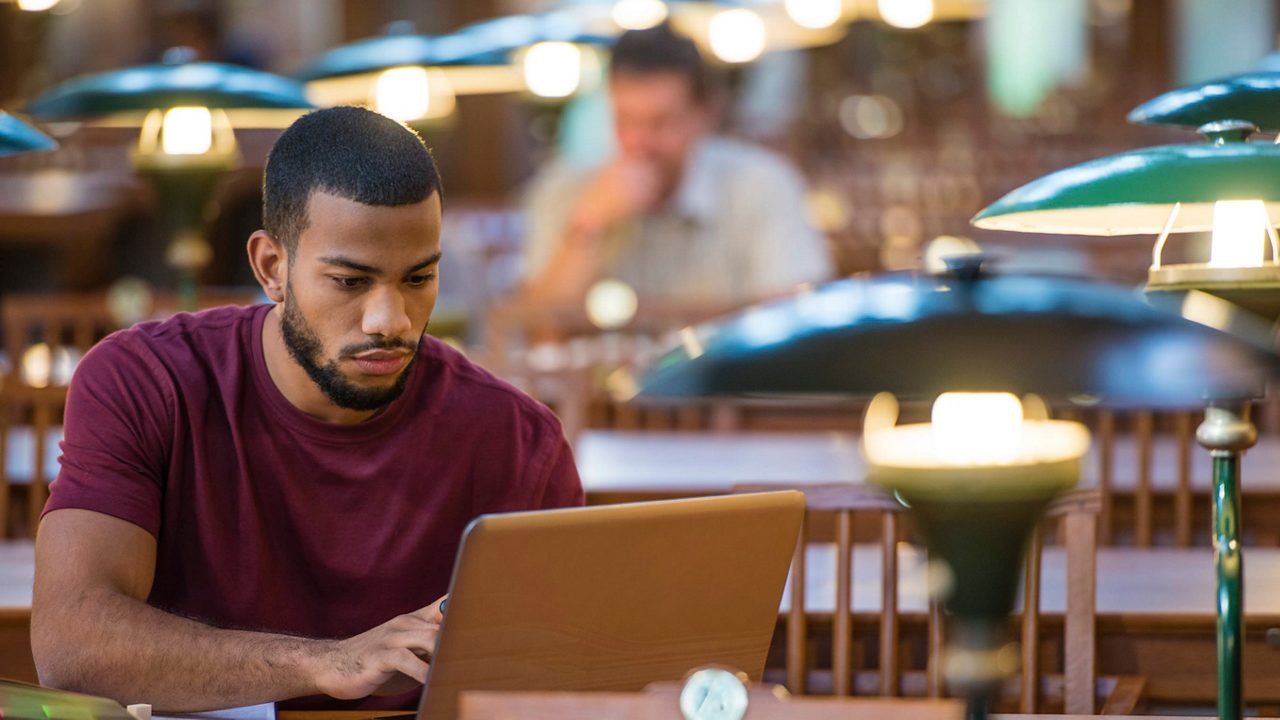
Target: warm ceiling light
pixel 36 5
pixel 813 14
pixel 737 36
pixel 553 69
pixel 639 14
pixel 906 13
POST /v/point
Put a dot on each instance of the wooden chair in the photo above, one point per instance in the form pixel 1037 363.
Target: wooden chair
pixel 30 427
pixel 843 503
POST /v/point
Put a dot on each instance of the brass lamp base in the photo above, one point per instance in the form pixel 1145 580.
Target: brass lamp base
pixel 1256 289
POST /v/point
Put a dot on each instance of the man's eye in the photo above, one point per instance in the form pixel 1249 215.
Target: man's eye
pixel 349 283
pixel 420 280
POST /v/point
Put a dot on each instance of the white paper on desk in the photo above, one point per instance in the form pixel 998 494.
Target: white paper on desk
pixel 266 711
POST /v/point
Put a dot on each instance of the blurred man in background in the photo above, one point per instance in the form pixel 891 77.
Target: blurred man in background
pixel 684 217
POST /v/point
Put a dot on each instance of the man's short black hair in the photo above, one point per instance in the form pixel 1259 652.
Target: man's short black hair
pixel 350 152
pixel 660 49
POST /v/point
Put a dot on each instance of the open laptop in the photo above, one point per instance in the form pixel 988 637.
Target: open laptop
pixel 613 597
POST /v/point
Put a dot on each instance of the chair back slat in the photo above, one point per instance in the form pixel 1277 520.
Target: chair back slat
pixel 797 621
pixel 1144 428
pixel 889 666
pixel 842 621
pixel 1105 437
pixel 1080 638
pixel 1029 694
pixel 935 684
pixel 1184 430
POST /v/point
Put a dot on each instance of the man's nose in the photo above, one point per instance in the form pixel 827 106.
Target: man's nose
pixel 384 314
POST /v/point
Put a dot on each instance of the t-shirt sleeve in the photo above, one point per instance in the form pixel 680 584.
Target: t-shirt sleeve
pixel 562 487
pixel 117 431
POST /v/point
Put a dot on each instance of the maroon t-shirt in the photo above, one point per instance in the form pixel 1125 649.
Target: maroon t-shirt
pixel 269 519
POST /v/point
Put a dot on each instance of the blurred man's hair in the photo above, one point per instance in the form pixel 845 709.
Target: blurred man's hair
pixel 350 152
pixel 660 49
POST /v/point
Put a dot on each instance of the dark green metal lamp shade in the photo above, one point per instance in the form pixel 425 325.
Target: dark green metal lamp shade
pixel 18 137
pixel 1253 97
pixel 510 33
pixel 146 87
pixel 1133 193
pixel 919 336
pixel 388 51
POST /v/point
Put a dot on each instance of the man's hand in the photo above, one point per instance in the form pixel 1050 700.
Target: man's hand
pixel 390 659
pixel 621 189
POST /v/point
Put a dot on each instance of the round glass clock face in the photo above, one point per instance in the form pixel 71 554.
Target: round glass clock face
pixel 713 694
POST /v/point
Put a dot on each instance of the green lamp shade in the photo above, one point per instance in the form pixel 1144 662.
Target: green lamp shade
pixel 510 33
pixel 146 87
pixel 388 51
pixel 17 137
pixel 1253 97
pixel 919 336
pixel 1133 193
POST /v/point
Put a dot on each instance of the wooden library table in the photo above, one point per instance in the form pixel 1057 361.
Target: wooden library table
pixel 1155 613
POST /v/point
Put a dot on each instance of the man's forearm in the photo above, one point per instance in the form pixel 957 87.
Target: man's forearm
pixel 109 644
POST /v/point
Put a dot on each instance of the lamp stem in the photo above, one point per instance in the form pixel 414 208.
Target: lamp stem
pixel 1226 433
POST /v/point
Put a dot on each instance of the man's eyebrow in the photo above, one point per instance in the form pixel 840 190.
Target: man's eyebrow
pixel 425 263
pixel 369 269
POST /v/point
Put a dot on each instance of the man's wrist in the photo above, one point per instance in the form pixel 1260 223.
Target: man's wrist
pixel 311 660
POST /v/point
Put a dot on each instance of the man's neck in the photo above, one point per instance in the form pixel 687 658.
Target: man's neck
pixel 294 383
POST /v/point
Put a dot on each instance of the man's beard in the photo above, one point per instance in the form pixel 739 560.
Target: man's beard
pixel 306 349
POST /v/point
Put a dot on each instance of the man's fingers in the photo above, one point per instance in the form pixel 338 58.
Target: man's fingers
pixel 406 663
pixel 420 642
pixel 434 612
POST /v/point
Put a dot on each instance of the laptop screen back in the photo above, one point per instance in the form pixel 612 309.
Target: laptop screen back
pixel 613 597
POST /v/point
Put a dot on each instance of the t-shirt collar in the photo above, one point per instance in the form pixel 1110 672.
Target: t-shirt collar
pixel 695 196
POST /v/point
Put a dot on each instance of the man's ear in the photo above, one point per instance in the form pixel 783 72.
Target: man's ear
pixel 270 262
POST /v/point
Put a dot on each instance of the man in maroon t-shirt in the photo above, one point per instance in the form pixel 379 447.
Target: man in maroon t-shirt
pixel 265 503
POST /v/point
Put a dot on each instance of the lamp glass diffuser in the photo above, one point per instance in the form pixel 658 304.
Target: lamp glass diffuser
pixel 187 131
pixel 1239 234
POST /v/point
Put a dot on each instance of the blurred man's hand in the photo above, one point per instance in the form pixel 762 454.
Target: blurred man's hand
pixel 621 189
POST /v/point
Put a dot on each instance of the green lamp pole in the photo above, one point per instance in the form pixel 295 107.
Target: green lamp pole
pixel 1229 186
pixel 186 141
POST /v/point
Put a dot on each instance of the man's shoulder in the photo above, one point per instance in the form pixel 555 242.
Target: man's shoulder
pixel 464 387
pixel 159 345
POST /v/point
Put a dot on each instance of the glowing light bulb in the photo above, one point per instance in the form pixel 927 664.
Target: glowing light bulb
pixel 611 304
pixel 906 13
pixel 553 69
pixel 638 14
pixel 187 131
pixel 1239 233
pixel 737 36
pixel 36 5
pixel 37 365
pixel 402 93
pixel 977 427
pixel 813 14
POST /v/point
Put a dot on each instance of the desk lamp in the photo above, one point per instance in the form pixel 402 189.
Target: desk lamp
pixel 977 478
pixel 1228 186
pixel 186 142
pixel 407 76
